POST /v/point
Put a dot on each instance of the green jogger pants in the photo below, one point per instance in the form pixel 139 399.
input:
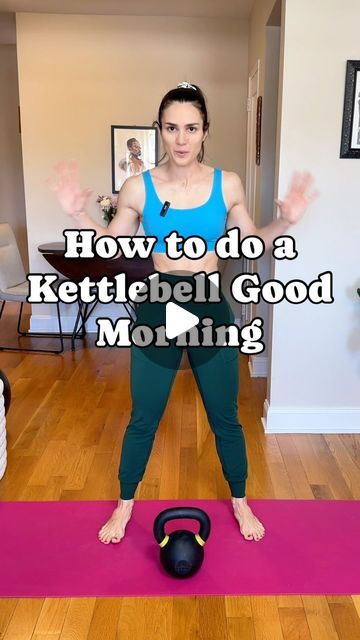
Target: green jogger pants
pixel 151 381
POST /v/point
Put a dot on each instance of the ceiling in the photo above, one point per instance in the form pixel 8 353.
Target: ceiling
pixel 186 8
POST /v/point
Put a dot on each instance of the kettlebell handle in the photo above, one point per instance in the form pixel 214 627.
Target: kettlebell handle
pixel 177 513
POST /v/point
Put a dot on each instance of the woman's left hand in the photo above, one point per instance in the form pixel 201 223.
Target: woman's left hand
pixel 298 198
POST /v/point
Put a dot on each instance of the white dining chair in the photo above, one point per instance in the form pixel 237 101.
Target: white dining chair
pixel 14 287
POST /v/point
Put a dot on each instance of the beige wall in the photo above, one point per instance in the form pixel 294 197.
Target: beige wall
pixel 12 202
pixel 80 74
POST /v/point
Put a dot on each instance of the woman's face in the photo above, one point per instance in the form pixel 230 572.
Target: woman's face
pixel 135 148
pixel 182 132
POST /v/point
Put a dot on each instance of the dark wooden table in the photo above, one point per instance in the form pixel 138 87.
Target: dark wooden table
pixel 96 268
pixel 76 269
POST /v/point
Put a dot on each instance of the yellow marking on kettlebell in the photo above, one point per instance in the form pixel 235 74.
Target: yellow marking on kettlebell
pixel 199 540
pixel 164 542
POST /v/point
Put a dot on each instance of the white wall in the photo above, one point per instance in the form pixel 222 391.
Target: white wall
pixel 315 351
pixel 80 74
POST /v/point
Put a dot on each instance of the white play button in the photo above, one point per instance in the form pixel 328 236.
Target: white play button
pixel 178 320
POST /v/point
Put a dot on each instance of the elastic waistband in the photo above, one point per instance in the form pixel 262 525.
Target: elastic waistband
pixel 174 277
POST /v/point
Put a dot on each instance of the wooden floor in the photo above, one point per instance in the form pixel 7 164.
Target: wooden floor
pixel 65 428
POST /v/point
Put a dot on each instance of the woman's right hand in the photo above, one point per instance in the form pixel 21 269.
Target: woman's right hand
pixel 66 185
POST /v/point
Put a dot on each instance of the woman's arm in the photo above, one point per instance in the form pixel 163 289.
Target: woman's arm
pixel 74 200
pixel 291 209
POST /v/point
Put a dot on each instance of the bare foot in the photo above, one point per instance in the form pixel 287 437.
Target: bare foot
pixel 114 529
pixel 250 527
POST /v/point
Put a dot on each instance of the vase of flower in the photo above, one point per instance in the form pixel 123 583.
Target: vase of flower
pixel 108 206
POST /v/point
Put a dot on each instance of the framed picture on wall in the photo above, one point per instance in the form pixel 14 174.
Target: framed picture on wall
pixel 134 149
pixel 350 137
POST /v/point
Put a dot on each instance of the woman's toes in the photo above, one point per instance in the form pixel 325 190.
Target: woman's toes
pixel 102 535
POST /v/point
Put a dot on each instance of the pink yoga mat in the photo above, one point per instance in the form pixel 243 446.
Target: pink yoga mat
pixel 51 549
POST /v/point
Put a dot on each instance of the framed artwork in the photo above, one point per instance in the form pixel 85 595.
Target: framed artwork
pixel 350 137
pixel 134 149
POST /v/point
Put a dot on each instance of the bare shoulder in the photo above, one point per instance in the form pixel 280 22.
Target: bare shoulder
pixel 132 193
pixel 132 184
pixel 233 189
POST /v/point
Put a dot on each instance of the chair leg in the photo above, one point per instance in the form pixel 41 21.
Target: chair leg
pixel 23 333
pixel 84 313
pixel 30 334
pixel 60 328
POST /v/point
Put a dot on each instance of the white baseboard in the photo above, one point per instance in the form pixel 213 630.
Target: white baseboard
pixel 258 366
pixel 49 323
pixel 310 420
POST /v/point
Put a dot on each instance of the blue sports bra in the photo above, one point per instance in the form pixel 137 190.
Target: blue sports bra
pixel 207 221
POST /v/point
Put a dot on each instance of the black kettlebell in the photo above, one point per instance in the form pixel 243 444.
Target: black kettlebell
pixel 7 391
pixel 182 552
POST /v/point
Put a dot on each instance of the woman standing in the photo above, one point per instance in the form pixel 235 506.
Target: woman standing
pixel 205 201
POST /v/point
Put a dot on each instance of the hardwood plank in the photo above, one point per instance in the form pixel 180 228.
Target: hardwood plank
pixel 240 628
pixel 132 619
pixel 356 601
pixel 348 467
pixel 34 437
pixel 319 618
pixel 294 467
pixel 188 472
pixel 288 601
pixel 185 618
pixel 24 619
pixel 238 606
pixel 104 623
pixel 79 470
pixel 239 618
pixel 17 474
pixel 78 619
pixel 7 608
pixel 51 491
pixel 314 470
pixel 148 618
pixel 46 636
pixel 51 462
pixel 212 618
pixel 169 482
pixel 266 618
pixel 294 624
pixel 52 616
pixel 346 619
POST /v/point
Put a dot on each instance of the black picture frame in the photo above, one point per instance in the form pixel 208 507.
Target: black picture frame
pixel 124 159
pixel 350 135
